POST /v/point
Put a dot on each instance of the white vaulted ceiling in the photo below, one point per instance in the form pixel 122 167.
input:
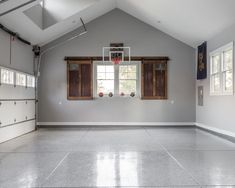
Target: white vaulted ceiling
pixel 190 21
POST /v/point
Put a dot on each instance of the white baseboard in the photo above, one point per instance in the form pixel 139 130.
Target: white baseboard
pixel 216 130
pixel 116 123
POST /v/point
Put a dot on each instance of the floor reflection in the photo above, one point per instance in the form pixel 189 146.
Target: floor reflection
pixel 117 169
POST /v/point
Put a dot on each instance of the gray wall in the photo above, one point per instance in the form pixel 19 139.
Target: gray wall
pixel 144 40
pixel 218 111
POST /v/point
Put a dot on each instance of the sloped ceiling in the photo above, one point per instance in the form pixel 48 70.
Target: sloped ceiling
pixel 190 21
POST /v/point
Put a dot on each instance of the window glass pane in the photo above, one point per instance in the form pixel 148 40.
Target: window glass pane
pixel 215 64
pixel 127 86
pixel 105 86
pixel 131 68
pixel 127 78
pixel 105 79
pixel 100 68
pixel 131 75
pixel 123 75
pixel 127 72
pixel 109 68
pixel 101 75
pixel 228 60
pixel 215 79
pixel 7 76
pixel 110 76
pixel 73 67
pixel 122 69
pixel 30 81
pixel 20 79
pixel 228 81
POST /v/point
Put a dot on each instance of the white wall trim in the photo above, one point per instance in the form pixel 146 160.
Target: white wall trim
pixel 216 130
pixel 117 123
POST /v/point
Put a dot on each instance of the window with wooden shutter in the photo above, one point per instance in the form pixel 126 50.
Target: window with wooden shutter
pixel 154 79
pixel 79 80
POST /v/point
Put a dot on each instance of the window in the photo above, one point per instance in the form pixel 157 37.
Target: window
pixel 20 79
pixel 7 76
pixel 221 71
pixel 105 79
pixel 30 81
pixel 127 79
pixel 117 79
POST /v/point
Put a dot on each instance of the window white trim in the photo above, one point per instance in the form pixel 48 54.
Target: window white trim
pixel 116 77
pixel 220 51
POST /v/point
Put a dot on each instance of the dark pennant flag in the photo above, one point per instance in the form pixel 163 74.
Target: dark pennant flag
pixel 202 61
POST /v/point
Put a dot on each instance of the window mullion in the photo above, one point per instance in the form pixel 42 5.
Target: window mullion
pixel 221 73
pixel 116 79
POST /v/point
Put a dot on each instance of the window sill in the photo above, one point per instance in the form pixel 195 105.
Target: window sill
pixel 116 97
pixel 221 94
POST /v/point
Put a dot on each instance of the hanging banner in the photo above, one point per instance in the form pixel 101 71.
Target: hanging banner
pixel 202 62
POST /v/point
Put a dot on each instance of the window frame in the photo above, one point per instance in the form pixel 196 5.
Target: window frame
pixel 116 78
pixel 221 51
pixel 20 85
pixel 27 84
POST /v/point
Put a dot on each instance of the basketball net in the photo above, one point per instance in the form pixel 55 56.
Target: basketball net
pixel 116 61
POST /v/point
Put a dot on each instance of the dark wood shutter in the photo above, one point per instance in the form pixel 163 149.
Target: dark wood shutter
pixel 154 79
pixel 79 80
pixel 148 79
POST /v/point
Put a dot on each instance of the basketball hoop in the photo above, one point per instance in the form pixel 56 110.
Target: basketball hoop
pixel 116 55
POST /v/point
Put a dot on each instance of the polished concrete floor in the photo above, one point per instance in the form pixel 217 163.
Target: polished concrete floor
pixel 117 157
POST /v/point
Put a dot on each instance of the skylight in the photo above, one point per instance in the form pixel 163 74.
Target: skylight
pixel 50 12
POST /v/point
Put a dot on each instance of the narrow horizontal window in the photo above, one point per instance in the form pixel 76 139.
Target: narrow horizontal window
pixel 20 79
pixel 30 81
pixel 7 76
